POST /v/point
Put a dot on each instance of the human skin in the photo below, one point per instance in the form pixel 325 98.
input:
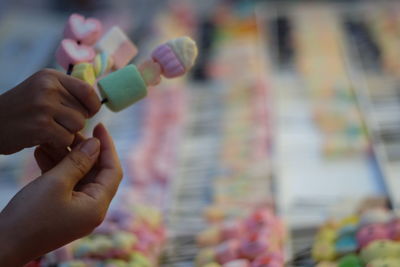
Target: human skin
pixel 48 108
pixel 66 202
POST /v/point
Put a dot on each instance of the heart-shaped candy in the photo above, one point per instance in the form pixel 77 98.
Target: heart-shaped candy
pixel 85 31
pixel 69 52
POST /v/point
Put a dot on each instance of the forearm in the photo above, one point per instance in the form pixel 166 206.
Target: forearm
pixel 10 254
pixel 9 133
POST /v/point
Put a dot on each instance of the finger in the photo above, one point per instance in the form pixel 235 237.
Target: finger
pixel 110 173
pixel 82 91
pixel 57 154
pixel 70 101
pixel 44 161
pixel 79 138
pixel 70 170
pixel 70 119
pixel 59 138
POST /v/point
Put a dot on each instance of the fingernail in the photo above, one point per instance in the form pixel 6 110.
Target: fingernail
pixel 100 125
pixel 90 147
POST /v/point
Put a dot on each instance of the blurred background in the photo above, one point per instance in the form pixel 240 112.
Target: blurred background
pixel 292 107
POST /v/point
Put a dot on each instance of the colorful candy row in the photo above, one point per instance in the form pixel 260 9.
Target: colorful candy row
pixel 153 160
pixel 126 236
pixel 334 107
pixel 253 241
pixel 375 235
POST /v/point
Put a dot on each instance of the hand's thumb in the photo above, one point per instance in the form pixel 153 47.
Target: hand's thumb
pixel 78 162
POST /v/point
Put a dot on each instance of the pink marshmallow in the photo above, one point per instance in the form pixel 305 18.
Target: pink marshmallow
pixel 117 44
pixel 124 54
pixel 237 263
pixel 268 260
pixel 250 249
pixel 227 251
pixel 394 229
pixel 69 52
pixel 86 31
pixel 372 232
pixel 232 229
pixel 168 60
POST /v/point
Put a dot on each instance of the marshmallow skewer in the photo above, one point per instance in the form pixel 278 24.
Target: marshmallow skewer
pixel 128 85
pixel 78 57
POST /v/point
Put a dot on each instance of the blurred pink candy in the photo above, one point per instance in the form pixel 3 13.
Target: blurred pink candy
pixel 227 251
pixel 237 263
pixel 250 249
pixel 394 229
pixel 372 232
pixel 231 230
pixel 269 260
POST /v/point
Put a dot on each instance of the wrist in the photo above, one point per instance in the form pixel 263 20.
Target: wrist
pixel 4 141
pixel 10 254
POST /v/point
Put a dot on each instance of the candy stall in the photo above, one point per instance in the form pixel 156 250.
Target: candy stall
pixel 250 133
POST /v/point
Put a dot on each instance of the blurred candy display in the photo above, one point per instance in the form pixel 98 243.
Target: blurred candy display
pixel 239 233
pixel 366 239
pixel 289 111
pixel 256 240
pixel 335 110
pixel 226 168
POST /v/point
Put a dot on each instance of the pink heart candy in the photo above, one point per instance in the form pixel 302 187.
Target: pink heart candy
pixel 86 31
pixel 227 251
pixel 250 249
pixel 372 232
pixel 69 52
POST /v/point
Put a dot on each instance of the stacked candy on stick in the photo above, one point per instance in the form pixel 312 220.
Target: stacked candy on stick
pixel 126 84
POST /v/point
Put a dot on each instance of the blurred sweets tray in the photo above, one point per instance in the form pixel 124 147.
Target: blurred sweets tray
pixel 225 139
pixel 366 40
pixel 321 153
pixel 369 237
pixel 378 93
pixel 256 238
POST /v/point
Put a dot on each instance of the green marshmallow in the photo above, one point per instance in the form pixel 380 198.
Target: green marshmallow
pixel 122 88
pixel 350 260
pixel 137 259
